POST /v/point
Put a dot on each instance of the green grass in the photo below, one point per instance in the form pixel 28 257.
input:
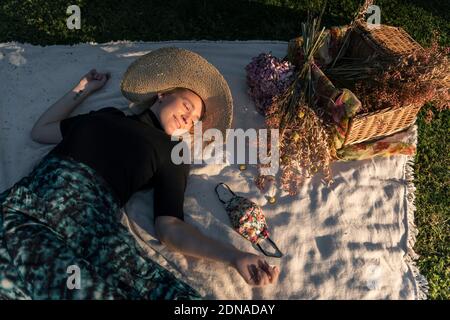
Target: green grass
pixel 432 201
pixel 44 22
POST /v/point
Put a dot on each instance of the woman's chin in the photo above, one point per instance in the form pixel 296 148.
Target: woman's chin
pixel 179 132
pixel 174 131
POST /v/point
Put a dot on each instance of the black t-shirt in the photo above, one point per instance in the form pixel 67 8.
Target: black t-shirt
pixel 131 152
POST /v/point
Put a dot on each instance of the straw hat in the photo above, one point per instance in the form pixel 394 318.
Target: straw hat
pixel 169 67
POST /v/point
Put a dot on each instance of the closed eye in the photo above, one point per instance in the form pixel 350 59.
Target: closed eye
pixel 188 108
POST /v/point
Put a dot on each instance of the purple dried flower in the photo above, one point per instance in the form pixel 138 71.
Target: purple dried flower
pixel 267 77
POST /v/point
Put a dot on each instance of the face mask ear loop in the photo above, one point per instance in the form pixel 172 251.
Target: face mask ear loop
pixel 277 254
pixel 226 186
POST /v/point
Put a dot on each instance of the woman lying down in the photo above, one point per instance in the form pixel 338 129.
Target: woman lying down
pixel 60 221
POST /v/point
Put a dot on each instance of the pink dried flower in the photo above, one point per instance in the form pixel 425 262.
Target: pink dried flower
pixel 267 77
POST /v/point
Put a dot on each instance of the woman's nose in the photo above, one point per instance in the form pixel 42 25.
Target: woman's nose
pixel 186 118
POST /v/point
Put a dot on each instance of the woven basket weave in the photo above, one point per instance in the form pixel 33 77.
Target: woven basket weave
pixel 380 123
pixel 383 40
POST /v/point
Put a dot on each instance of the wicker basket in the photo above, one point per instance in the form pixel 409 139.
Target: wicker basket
pixel 374 125
pixel 372 43
pixel 366 42
pixel 385 41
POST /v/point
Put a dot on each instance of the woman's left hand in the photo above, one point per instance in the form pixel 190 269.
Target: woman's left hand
pixel 255 270
pixel 92 81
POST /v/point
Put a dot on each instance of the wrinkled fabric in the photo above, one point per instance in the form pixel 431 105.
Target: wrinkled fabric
pixel 343 109
pixel 367 150
pixel 64 214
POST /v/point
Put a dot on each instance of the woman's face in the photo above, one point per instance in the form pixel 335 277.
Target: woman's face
pixel 178 110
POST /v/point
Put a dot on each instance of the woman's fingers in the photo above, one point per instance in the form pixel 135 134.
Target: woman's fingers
pixel 276 273
pixel 106 77
pixel 94 75
pixel 259 276
pixel 103 77
pixel 269 271
pixel 265 266
pixel 263 279
pixel 256 271
pixel 272 272
pixel 252 277
pixel 91 73
pixel 263 275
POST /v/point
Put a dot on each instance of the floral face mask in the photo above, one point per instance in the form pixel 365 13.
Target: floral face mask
pixel 248 220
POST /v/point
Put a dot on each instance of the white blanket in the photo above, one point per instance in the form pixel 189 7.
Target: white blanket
pixel 352 240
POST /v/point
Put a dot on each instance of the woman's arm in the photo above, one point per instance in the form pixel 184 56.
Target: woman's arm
pixel 186 239
pixel 61 109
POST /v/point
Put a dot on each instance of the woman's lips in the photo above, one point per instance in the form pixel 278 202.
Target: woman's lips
pixel 177 122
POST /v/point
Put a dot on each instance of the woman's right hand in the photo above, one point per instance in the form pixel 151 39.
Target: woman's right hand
pixel 92 81
pixel 255 270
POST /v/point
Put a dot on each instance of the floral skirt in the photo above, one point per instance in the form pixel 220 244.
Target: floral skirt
pixel 60 238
